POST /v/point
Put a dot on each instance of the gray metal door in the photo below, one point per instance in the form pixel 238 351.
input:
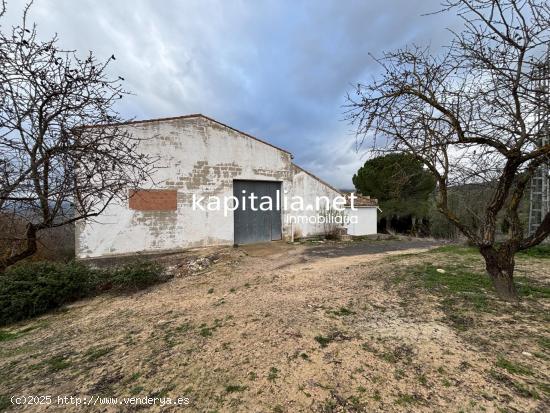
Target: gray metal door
pixel 256 226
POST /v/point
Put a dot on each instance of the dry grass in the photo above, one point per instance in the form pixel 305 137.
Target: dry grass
pixel 279 329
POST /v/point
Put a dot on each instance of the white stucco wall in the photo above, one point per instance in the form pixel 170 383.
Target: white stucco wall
pixel 366 220
pixel 308 187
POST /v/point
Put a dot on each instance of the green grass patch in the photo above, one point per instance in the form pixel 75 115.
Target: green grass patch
pixel 368 347
pixel 94 353
pixel 406 399
pixel 341 312
pixel 457 319
pixel 134 391
pixel 472 287
pixel 545 387
pixel 525 391
pixel 171 335
pixel 206 331
pixel 5 402
pixel 8 335
pixel 53 364
pixel 184 327
pixel 455 281
pixel 531 289
pixel 422 379
pixel 398 374
pixel 12 335
pixel 519 388
pixel 544 342
pixel 58 363
pixel 323 340
pixel 457 249
pixel 538 251
pixel 133 377
pixel 233 388
pixel 513 368
pixel 273 374
pixel 388 356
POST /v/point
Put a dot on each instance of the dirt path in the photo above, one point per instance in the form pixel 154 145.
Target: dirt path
pixel 266 329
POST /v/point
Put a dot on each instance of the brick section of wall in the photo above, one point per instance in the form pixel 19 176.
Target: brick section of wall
pixel 153 200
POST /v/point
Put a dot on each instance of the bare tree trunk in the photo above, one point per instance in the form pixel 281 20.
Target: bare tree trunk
pixel 500 267
pixel 30 249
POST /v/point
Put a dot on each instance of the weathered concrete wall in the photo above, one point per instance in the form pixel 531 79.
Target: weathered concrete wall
pixel 196 156
pixel 309 188
pixel 366 220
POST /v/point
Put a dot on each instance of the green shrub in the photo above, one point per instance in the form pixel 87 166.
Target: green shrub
pixel 137 275
pixel 33 288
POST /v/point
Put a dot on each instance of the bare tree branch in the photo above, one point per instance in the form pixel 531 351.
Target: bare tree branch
pixel 54 170
pixel 469 114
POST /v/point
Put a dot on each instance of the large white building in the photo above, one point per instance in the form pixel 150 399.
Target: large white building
pixel 201 159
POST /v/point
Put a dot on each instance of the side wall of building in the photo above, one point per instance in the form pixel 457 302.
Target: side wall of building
pixel 309 188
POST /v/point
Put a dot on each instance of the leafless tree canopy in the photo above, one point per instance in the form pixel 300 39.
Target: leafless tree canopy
pixel 470 115
pixel 53 169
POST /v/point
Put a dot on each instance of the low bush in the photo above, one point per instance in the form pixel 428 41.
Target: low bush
pixel 33 288
pixel 137 275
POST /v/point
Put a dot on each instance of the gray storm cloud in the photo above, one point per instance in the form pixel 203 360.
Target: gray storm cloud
pixel 277 69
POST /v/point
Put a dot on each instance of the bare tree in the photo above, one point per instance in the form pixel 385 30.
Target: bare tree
pixel 54 170
pixel 469 114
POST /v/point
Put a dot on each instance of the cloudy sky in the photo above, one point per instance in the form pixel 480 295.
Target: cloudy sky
pixel 279 70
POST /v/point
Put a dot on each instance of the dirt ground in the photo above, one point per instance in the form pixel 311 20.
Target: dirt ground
pixel 297 328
